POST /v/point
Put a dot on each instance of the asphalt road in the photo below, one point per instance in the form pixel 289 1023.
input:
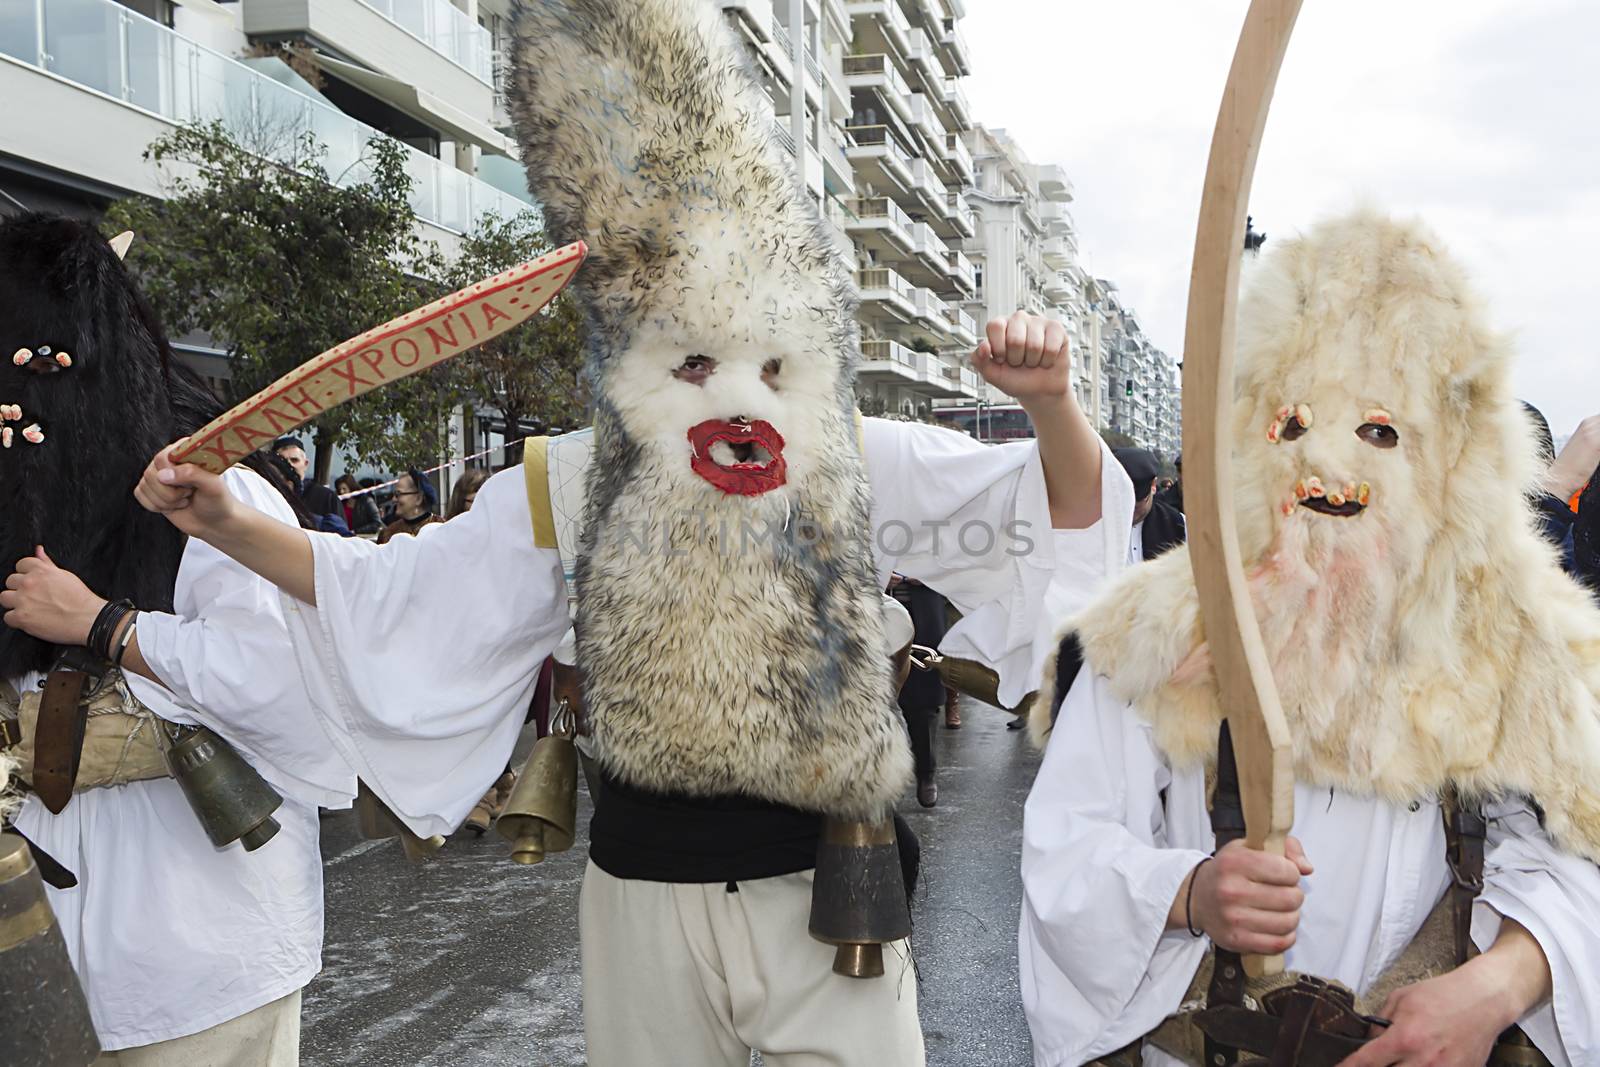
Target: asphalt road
pixel 471 960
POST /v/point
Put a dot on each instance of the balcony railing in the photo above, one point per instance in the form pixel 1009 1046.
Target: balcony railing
pixel 956 41
pixel 881 351
pixel 109 49
pixel 874 208
pixel 785 136
pixel 891 21
pixel 957 99
pixel 961 211
pixel 880 137
pixel 877 71
pixel 884 279
pixel 955 150
pixel 964 325
pixel 444 28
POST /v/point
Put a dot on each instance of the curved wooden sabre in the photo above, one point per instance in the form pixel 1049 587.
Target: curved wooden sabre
pixel 413 342
pixel 1244 677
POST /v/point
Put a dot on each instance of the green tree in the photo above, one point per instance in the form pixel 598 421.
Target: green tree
pixel 259 247
pixel 530 373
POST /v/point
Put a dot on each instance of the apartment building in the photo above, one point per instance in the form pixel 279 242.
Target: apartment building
pixel 91 83
pixel 1026 254
pixel 867 97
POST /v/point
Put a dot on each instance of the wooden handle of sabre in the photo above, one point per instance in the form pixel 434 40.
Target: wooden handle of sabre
pixel 1244 676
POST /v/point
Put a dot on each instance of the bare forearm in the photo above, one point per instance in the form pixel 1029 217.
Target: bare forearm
pixel 274 550
pixel 1516 967
pixel 1069 449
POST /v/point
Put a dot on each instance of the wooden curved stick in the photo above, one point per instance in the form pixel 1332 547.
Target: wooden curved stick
pixel 1244 677
pixel 404 346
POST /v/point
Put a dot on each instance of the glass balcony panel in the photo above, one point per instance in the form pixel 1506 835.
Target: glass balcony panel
pixel 83 43
pixel 150 70
pixel 19 31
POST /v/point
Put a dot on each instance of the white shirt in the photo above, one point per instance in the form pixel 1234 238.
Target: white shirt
pixel 1136 543
pixel 169 935
pixel 972 521
pixel 1103 857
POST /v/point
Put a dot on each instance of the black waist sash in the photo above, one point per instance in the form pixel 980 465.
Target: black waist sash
pixel 671 837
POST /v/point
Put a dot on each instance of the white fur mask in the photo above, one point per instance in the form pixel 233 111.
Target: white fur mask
pixel 1420 631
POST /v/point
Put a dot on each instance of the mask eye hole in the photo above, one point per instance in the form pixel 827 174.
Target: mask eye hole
pixel 769 372
pixel 695 369
pixel 1377 435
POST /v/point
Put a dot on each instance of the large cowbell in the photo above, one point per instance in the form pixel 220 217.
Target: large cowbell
pixel 231 799
pixel 46 1017
pixel 858 898
pixel 542 814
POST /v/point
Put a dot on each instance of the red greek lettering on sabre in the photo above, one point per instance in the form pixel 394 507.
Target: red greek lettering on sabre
pixel 220 450
pixel 347 371
pixel 373 357
pixel 490 313
pixel 244 433
pixel 304 404
pixel 443 340
pixel 280 421
pixel 466 320
pixel 394 351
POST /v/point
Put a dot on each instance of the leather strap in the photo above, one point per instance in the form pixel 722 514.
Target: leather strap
pixel 58 738
pixel 54 874
pixel 1227 825
pixel 1465 832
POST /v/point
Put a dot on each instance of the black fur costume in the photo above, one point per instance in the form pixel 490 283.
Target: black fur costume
pixel 121 399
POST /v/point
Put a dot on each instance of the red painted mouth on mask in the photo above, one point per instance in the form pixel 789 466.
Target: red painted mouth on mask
pixel 740 458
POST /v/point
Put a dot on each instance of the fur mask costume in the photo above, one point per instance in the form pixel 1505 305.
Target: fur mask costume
pixel 729 626
pixel 85 361
pixel 1419 630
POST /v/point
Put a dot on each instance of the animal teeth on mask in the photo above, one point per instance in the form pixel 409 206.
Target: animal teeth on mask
pixel 1363 494
pixel 64 359
pixel 1303 413
pixel 11 412
pixel 5 437
pixel 32 434
pixel 1379 416
pixel 21 356
pixel 1336 498
pixel 1314 487
pixel 1274 431
pixel 1300 490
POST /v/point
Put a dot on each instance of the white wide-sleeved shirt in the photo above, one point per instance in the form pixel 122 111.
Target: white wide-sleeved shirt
pixel 466 611
pixel 169 935
pixel 1103 857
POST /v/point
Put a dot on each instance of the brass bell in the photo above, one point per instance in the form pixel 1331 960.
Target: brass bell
pixel 47 1018
pixel 858 898
pixel 378 822
pixel 541 815
pixel 231 799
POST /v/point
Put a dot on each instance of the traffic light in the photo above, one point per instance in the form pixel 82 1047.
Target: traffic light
pixel 1130 387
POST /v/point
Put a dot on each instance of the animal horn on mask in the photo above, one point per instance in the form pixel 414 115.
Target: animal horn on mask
pixel 645 133
pixel 119 244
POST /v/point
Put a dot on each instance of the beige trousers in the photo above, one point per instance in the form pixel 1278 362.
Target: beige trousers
pixel 269 1036
pixel 696 976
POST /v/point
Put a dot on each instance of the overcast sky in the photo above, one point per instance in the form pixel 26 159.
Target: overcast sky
pixel 1478 115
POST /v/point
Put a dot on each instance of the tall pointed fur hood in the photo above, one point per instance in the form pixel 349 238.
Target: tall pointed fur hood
pixel 729 630
pixel 1420 631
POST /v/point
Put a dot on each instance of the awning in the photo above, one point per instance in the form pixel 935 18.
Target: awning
pixel 423 106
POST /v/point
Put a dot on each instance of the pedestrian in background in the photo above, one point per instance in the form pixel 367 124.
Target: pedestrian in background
pixel 416 504
pixel 320 502
pixel 1569 504
pixel 492 803
pixel 360 511
pixel 923 694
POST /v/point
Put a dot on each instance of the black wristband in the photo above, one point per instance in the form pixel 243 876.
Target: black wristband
pixel 1188 900
pixel 105 626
